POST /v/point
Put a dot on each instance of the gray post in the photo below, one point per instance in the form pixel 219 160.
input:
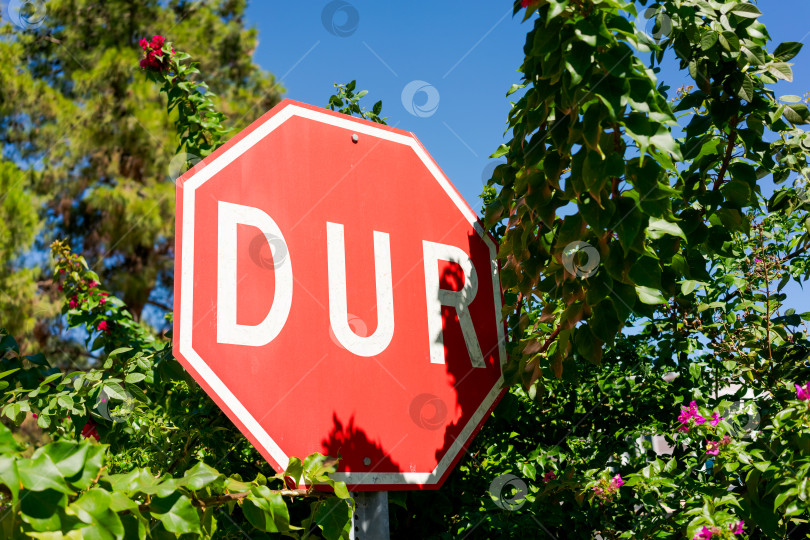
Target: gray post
pixel 370 520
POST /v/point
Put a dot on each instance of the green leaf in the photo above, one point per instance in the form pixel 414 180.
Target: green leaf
pixel 708 40
pixel 38 359
pixel 743 87
pixel 660 227
pixel 94 507
pixel 93 462
pixel 730 42
pixel 176 513
pixel 502 150
pixel 797 114
pixel 39 474
pixel 118 351
pixel 688 286
pixel 114 390
pixel 787 50
pixel 333 516
pixel 200 475
pixel 67 456
pixel 737 192
pixel 295 470
pixel 650 296
pixel 133 378
pixel 266 511
pixel 9 476
pixel 791 99
pixel 781 70
pixel 514 88
pixel 40 509
pixel 749 11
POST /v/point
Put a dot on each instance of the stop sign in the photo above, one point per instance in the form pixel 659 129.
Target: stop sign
pixel 334 293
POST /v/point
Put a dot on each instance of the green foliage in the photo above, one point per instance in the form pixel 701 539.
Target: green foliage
pixel 347 102
pixel 18 227
pixel 155 423
pixel 621 206
pixel 97 149
pixel 611 197
pixel 64 490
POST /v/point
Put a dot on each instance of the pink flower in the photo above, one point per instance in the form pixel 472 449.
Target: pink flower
pixel 549 476
pixel 738 529
pixel 103 327
pixel 726 439
pixel 73 303
pixel 102 301
pixel 617 481
pixel 154 58
pixel 803 394
pixel 92 283
pixel 712 448
pixel 716 419
pixel 704 534
pixel 689 414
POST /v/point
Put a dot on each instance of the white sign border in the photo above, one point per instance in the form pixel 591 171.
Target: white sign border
pixel 189 187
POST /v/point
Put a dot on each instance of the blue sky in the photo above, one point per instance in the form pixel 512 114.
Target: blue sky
pixel 469 52
pixel 463 55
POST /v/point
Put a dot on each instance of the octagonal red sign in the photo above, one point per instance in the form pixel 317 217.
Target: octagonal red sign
pixel 334 293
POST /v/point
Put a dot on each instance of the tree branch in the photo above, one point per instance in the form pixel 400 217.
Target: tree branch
pixel 732 138
pixel 164 307
pixel 796 253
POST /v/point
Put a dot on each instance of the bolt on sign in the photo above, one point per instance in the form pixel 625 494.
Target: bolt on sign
pixel 334 293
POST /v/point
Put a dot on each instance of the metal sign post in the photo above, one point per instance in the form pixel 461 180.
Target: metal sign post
pixel 370 520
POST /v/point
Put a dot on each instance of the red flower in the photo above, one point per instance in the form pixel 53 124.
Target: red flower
pixel 103 326
pixel 59 287
pixel 92 283
pixel 89 430
pixel 154 58
pixel 73 303
pixel 102 301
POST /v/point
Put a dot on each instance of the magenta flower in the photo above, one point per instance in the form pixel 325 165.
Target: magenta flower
pixel 704 534
pixel 689 414
pixel 803 393
pixel 617 481
pixel 712 448
pixel 738 529
pixel 716 419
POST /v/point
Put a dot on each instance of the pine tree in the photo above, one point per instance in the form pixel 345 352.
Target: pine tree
pixel 87 141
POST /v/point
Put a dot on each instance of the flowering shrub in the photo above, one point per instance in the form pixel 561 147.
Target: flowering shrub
pixel 155 57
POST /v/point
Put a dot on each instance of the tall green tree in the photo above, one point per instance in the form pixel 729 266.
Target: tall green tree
pixel 94 144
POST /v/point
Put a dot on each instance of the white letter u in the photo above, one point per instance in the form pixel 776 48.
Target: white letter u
pixel 338 307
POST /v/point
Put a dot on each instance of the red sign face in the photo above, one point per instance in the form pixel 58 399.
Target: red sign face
pixel 334 293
